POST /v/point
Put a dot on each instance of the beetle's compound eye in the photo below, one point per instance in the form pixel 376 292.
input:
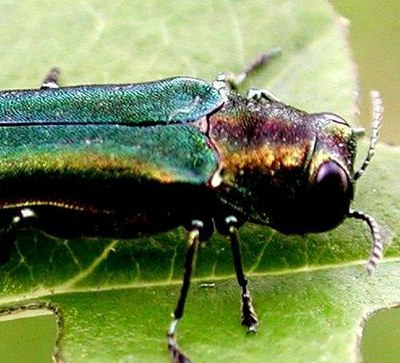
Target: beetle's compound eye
pixel 331 178
pixel 331 194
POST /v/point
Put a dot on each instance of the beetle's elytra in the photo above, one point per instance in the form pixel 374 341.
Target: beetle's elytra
pixel 126 160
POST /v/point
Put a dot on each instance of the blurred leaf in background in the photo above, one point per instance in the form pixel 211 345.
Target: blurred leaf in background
pixel 311 293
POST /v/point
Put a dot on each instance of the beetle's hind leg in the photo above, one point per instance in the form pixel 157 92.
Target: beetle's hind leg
pixel 51 79
pixel 7 240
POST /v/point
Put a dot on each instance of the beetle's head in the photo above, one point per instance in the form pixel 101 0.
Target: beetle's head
pixel 291 170
pixel 327 189
pixel 288 169
pixel 310 187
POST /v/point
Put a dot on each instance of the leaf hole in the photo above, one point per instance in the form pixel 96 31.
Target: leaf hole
pixel 381 336
pixel 28 336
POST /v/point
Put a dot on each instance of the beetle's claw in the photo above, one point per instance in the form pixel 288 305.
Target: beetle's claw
pixel 175 353
pixel 249 315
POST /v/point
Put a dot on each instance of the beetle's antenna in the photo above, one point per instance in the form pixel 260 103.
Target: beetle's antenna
pixel 377 112
pixel 377 242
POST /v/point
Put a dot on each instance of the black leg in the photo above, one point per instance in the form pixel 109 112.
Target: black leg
pixel 51 79
pixel 249 317
pixel 232 81
pixel 177 356
pixel 259 61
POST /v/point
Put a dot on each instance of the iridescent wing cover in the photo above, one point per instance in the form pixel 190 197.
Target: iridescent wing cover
pixel 142 131
pixel 171 100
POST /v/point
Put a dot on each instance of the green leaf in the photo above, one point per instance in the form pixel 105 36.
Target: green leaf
pixel 311 293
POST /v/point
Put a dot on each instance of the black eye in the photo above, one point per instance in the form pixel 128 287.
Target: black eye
pixel 330 196
pixel 332 178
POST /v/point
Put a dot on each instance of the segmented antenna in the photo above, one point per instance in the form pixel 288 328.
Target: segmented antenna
pixel 377 112
pixel 377 242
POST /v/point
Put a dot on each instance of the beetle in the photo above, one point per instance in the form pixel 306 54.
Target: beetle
pixel 127 160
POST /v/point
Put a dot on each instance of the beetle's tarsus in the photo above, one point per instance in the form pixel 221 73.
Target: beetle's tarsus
pixel 174 351
pixel 249 316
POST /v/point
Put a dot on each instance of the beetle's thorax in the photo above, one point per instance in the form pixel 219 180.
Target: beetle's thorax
pixel 267 139
pixel 270 154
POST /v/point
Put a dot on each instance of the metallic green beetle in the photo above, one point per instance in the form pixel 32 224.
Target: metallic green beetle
pixel 126 160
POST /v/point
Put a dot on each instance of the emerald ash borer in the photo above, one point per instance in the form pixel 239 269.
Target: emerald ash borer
pixel 125 160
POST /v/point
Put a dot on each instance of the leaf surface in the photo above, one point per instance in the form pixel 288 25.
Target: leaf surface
pixel 311 293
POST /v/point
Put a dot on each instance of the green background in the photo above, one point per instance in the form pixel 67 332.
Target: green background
pixel 374 26
pixel 311 292
pixel 376 48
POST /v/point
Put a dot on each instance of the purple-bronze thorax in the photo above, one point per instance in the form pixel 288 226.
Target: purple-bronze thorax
pixel 272 159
